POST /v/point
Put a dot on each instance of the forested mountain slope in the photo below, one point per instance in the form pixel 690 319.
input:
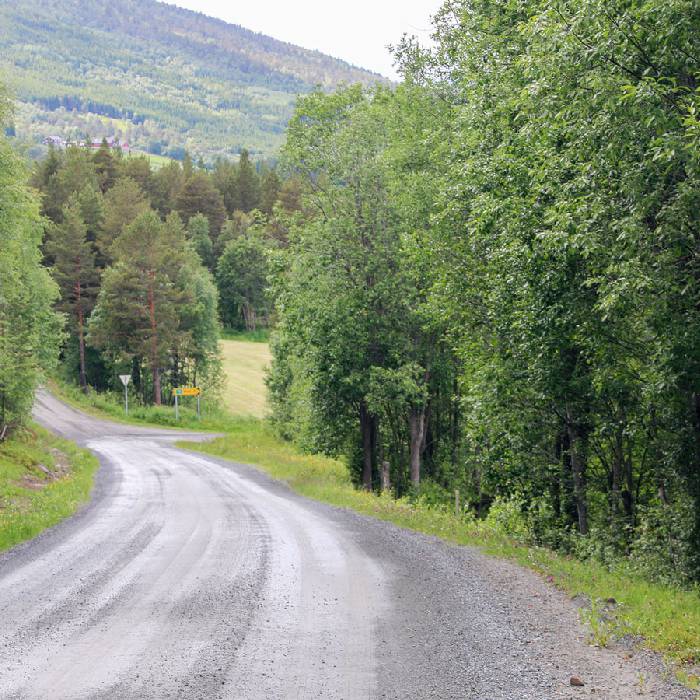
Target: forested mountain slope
pixel 160 77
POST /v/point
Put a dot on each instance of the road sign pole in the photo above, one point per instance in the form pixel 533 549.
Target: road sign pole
pixel 126 378
pixel 177 412
pixel 199 415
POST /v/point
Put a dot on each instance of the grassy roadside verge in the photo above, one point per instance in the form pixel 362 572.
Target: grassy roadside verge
pixel 667 618
pixel 111 407
pixel 43 479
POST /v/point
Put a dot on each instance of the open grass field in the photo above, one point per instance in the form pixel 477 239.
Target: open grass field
pixel 244 365
pixel 157 162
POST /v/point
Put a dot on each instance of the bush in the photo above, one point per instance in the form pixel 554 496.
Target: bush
pixel 507 516
pixel 661 551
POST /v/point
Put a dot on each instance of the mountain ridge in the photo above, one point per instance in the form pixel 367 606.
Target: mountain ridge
pixel 160 76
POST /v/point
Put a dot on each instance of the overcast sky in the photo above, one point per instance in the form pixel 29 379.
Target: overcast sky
pixel 354 30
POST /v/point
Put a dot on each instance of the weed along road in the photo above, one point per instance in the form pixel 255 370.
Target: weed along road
pixel 190 577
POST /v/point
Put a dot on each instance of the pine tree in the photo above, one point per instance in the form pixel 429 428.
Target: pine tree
pixel 138 312
pixel 75 272
pixel 166 186
pixel 199 196
pixel 138 168
pixel 76 172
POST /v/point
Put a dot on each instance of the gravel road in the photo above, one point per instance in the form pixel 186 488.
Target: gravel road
pixel 191 577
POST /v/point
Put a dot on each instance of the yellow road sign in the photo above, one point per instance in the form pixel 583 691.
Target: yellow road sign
pixel 187 391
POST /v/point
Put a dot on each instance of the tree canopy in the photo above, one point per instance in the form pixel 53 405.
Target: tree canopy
pixel 494 282
pixel 29 328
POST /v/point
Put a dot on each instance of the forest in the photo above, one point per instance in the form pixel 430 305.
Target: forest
pixel 485 279
pixel 148 264
pixel 495 282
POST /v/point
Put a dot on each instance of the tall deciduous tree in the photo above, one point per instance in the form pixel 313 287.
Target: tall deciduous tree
pixel 198 236
pixel 241 278
pixel 29 328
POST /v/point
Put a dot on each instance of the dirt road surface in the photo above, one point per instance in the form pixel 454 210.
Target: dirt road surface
pixel 189 577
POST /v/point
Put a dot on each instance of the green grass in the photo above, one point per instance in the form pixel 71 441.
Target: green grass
pixel 261 335
pixel 244 366
pixel 111 406
pixel 43 480
pixel 157 162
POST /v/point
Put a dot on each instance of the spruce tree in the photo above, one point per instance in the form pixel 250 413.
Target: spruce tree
pixel 105 166
pixel 124 203
pixel 270 188
pixel 248 183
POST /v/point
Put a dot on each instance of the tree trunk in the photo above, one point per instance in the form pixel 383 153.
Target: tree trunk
pixel 567 480
pixel 82 374
pixel 578 470
pixel 555 486
pixel 416 421
pixel 249 317
pixel 81 349
pixel 366 428
pixel 386 480
pixel 616 481
pixel 154 340
pixel 622 480
pixel 695 474
pixel 455 422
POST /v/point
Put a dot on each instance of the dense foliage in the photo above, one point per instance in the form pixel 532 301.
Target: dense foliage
pixel 494 284
pixel 162 78
pixel 29 328
pixel 142 258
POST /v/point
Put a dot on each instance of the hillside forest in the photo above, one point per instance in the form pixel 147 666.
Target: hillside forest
pixel 486 278
pixel 161 78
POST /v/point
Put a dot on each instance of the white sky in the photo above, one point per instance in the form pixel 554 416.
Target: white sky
pixel 357 31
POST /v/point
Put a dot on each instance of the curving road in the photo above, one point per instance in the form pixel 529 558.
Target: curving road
pixel 190 577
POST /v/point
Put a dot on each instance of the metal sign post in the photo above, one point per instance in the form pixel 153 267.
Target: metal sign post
pixel 185 391
pixel 126 378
